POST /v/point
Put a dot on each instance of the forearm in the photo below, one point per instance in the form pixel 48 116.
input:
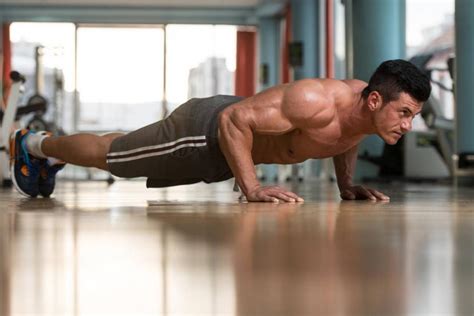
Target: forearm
pixel 344 165
pixel 236 141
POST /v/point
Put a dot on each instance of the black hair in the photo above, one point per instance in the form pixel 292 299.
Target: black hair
pixel 395 76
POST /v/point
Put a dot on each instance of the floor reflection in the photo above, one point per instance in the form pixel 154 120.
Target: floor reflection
pixel 188 255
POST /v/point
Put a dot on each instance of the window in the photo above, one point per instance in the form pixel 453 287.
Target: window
pixel 200 61
pixel 56 43
pixel 120 70
pixel 119 77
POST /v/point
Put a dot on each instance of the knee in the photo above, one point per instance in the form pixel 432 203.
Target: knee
pixel 107 139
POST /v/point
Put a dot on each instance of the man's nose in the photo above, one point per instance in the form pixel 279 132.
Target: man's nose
pixel 406 125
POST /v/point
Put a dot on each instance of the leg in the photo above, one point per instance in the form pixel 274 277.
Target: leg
pixel 87 150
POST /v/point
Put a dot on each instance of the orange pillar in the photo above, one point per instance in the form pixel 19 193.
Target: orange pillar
pixel 329 39
pixel 245 66
pixel 7 59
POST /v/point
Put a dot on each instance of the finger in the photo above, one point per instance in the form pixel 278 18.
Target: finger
pixel 294 196
pixel 284 197
pixel 262 198
pixel 366 193
pixel 379 195
pixel 289 196
pixel 271 199
pixel 265 197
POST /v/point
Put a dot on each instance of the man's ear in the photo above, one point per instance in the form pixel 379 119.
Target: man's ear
pixel 374 100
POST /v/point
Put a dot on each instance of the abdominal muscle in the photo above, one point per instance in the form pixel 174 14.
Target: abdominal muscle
pixel 276 149
pixel 295 147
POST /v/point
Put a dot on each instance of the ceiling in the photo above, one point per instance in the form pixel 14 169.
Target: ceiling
pixel 235 12
pixel 146 3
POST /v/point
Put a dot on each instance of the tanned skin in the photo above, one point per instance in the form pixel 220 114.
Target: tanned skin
pixel 310 118
pixel 286 124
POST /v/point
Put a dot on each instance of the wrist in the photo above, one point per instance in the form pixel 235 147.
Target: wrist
pixel 345 185
pixel 247 189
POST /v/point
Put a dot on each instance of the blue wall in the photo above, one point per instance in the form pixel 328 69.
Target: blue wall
pixel 464 19
pixel 305 27
pixel 378 34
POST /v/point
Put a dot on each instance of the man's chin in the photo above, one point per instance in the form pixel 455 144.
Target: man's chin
pixel 391 140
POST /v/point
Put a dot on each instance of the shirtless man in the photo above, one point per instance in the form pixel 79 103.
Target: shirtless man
pixel 214 139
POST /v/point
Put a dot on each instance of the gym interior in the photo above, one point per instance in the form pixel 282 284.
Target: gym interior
pixel 101 245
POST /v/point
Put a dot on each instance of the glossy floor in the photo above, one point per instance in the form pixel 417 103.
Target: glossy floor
pixel 194 250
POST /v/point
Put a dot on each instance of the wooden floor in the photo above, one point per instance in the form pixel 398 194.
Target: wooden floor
pixel 126 250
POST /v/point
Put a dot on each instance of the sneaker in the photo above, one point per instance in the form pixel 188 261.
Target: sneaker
pixel 24 167
pixel 47 177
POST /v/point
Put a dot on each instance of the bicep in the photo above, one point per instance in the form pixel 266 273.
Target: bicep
pixel 261 113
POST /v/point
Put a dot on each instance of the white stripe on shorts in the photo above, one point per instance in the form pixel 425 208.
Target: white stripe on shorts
pixel 137 151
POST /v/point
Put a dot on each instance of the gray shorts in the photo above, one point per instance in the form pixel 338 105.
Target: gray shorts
pixel 181 149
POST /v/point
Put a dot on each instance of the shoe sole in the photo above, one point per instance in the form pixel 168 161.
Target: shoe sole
pixel 12 163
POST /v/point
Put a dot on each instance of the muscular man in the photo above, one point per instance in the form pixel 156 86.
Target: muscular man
pixel 214 139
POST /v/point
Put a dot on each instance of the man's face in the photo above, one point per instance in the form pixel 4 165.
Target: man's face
pixel 394 118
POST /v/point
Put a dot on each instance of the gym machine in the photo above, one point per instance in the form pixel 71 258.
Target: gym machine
pixel 8 118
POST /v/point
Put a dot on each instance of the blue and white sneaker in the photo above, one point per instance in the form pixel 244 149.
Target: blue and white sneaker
pixel 47 177
pixel 24 167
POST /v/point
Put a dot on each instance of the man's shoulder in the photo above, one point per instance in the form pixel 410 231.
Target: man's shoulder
pixel 319 87
pixel 332 87
pixel 355 85
pixel 307 99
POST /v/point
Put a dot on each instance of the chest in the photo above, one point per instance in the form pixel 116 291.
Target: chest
pixel 319 143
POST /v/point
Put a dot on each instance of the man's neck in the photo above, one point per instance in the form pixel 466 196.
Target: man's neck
pixel 358 119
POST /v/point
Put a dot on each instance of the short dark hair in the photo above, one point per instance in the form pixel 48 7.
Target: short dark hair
pixel 398 75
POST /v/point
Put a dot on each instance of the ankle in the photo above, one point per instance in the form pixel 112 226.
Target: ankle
pixel 33 144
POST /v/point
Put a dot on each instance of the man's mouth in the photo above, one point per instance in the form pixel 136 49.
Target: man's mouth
pixel 398 134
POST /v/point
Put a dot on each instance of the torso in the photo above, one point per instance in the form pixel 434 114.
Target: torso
pixel 311 142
